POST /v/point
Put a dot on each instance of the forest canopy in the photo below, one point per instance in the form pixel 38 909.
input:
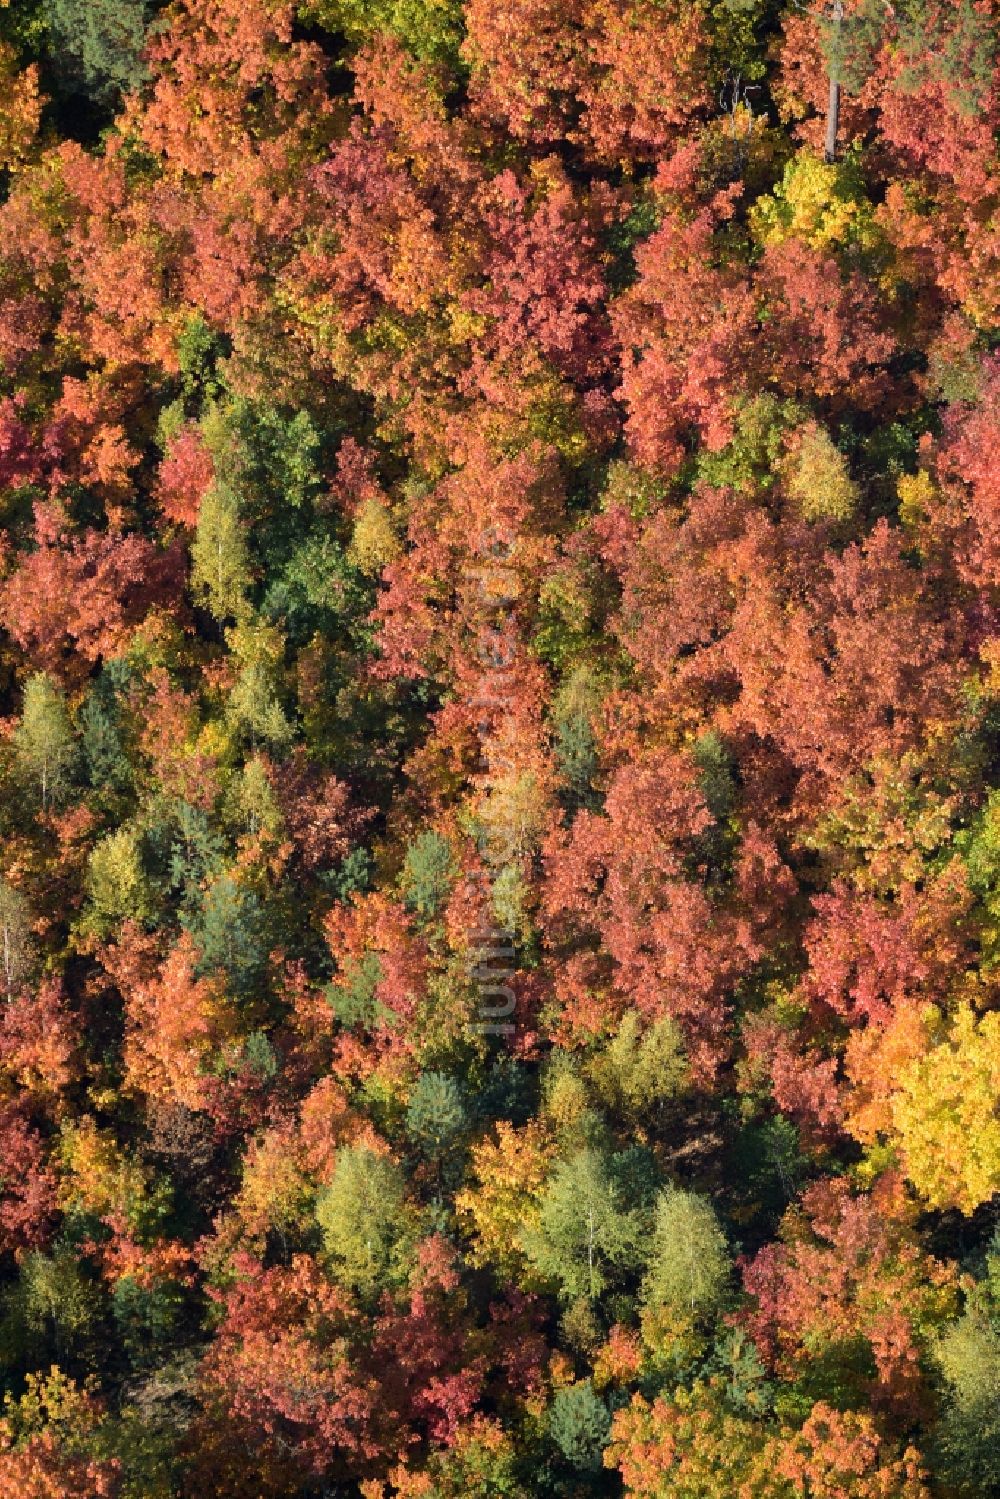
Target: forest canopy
pixel 499 749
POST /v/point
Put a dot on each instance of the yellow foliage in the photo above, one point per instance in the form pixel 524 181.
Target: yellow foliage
pixel 256 643
pixel 514 814
pixel 98 1177
pixel 820 202
pixel 374 543
pixel 20 108
pixel 944 1113
pixel 275 1192
pixel 876 1057
pixel 671 1336
pixel 816 476
pixel 885 823
pixel 214 743
pixel 916 496
pixel 116 882
pixel 509 1173
pixel 463 324
pixel 50 1402
pixel 479 1460
pixel 540 407
pixel 565 1099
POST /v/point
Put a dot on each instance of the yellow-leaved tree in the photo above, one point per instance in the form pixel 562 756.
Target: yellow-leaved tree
pixel 508 1175
pixel 923 1091
pixel 945 1115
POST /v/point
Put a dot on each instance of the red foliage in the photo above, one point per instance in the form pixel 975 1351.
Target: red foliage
pixel 281 1365
pixel 543 284
pixel 29 1203
pixel 438 1365
pixel 76 599
pixel 687 328
pixel 527 62
pixel 849 1270
pixel 867 959
pixel 650 81
pixel 625 877
pixel 40 1044
pixel 20 461
pixel 826 329
pixel 185 474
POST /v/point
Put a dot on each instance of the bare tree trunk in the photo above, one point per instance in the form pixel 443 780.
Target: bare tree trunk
pixel 833 107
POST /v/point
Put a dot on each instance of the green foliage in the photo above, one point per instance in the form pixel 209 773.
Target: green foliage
pixel 319 589
pixel 198 350
pixel 642 1067
pixel 740 30
pixel 717 784
pixel 509 898
pixel 968 1434
pixel 768 1165
pixel 566 1101
pixel 851 43
pixel 365 1221
pixel 689 1264
pixel 352 876
pixel 255 710
pixel 103 741
pixel 145 1316
pixel 270 461
pixel 716 780
pixel 15 937
pixel 354 999
pixel 954 45
pixel 185 852
pixel 98 44
pixel 575 742
pixel 260 1056
pixel 750 462
pixel 220 560
pixel 586 1236
pixel 579 1423
pixel 817 478
pixel 431 29
pixel 16 947
pixel 251 804
pixel 506 1091
pixel 24 28
pixel 58 1299
pixel 625 235
pixel 640 490
pixel 143 1438
pixel 566 607
pixel 436 1116
pixel 277 453
pixel 739 1373
pixel 231 934
pixel 980 846
pixel 44 741
pixel 428 871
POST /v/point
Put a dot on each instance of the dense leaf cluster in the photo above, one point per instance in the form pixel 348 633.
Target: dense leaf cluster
pixel 499 749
